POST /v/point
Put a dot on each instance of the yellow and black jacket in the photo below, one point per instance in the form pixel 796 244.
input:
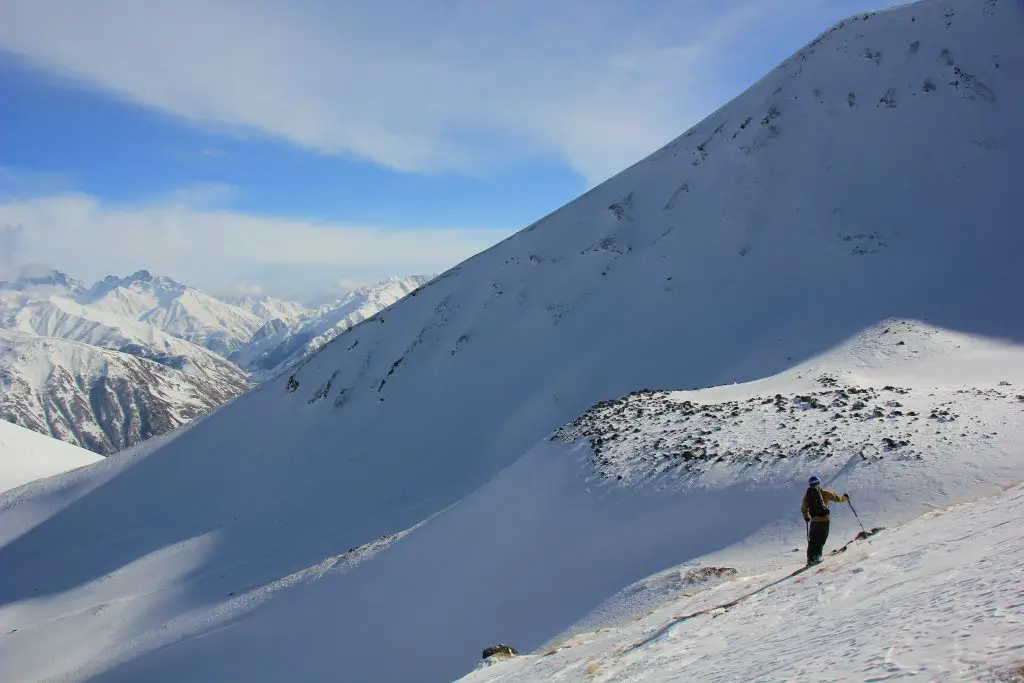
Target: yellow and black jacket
pixel 826 496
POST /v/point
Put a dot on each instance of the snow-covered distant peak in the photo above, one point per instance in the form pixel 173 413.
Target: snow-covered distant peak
pixel 141 281
pixel 389 290
pixel 41 280
pixel 177 309
pixel 276 346
pixel 267 308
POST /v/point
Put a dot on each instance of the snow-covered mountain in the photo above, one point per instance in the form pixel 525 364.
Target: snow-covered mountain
pixel 106 400
pixel 157 319
pixel 186 312
pixel 277 345
pixel 42 280
pixel 269 308
pixel 26 456
pixel 434 480
pixel 68 357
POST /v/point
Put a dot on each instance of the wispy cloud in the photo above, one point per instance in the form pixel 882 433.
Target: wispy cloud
pixel 446 84
pixel 217 249
pixel 201 195
pixel 10 248
pixel 23 182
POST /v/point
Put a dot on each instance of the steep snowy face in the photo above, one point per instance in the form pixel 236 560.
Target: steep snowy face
pixel 869 176
pixel 873 175
pixel 105 400
pixel 26 456
pixel 277 346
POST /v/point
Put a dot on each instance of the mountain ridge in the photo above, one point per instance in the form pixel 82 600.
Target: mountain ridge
pixel 788 223
pixel 150 318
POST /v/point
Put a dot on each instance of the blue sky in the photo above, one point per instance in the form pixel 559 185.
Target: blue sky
pixel 296 145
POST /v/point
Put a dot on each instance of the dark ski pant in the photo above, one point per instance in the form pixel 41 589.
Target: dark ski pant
pixel 816 538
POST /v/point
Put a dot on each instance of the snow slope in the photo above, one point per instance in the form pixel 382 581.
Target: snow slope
pixel 277 345
pixel 26 456
pixel 935 600
pixel 549 538
pixel 871 176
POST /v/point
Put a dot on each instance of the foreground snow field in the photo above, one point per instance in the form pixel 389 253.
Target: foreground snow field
pixel 938 599
pixel 834 253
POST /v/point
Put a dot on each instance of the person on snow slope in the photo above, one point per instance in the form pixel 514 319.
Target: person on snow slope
pixel 815 511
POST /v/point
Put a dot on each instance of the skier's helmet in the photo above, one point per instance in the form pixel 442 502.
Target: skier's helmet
pixel 814 481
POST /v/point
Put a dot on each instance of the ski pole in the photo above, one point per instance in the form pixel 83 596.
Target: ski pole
pixel 850 503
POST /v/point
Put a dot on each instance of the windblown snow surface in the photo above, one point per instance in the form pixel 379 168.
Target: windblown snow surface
pixel 445 475
pixel 26 456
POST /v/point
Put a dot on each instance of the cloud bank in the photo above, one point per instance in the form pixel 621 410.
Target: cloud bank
pixel 219 250
pixel 415 85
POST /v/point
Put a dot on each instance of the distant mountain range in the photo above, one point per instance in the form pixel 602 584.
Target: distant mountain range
pixel 109 365
pixel 278 345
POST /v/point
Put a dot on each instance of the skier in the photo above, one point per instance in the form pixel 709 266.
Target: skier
pixel 815 511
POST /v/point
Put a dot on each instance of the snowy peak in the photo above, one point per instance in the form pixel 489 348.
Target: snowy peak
pixel 269 308
pixel 181 311
pixel 379 295
pixel 141 281
pixel 43 281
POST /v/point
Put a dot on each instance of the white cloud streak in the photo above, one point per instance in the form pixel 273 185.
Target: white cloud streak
pixel 219 249
pixel 410 84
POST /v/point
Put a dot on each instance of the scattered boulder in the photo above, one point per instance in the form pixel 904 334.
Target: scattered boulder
pixel 499 652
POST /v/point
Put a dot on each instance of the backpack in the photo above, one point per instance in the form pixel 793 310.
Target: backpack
pixel 815 502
